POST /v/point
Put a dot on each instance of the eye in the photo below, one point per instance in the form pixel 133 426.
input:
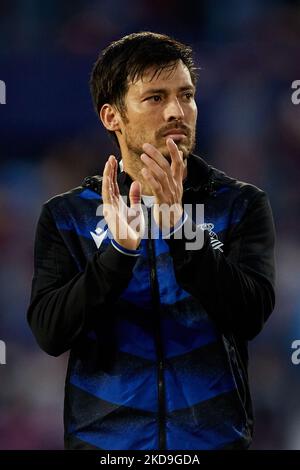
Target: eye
pixel 155 98
pixel 189 95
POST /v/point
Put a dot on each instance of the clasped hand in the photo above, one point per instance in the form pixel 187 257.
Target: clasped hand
pixel 127 224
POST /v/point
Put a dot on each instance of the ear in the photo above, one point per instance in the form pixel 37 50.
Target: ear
pixel 110 117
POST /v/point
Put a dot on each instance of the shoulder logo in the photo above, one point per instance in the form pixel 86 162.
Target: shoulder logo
pixel 215 242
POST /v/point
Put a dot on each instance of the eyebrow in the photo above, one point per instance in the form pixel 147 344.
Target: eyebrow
pixel 164 90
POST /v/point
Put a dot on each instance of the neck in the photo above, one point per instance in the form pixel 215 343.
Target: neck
pixel 132 165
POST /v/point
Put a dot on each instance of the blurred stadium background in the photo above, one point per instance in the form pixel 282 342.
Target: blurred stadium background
pixel 50 139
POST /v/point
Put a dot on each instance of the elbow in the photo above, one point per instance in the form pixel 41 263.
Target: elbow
pixel 48 345
pixel 253 330
pixel 47 340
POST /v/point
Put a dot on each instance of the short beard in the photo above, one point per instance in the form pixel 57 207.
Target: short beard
pixel 188 149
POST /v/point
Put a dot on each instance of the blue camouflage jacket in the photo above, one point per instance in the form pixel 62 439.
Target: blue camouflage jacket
pixel 158 341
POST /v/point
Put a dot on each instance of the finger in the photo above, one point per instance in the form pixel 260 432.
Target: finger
pixel 177 170
pixel 157 171
pixel 115 176
pixel 108 192
pixel 176 160
pixel 135 194
pixel 153 183
pixel 105 183
pixel 152 152
pixel 113 187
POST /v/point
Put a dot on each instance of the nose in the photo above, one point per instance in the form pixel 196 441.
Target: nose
pixel 173 110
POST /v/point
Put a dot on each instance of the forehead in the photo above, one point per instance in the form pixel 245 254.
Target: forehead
pixel 171 76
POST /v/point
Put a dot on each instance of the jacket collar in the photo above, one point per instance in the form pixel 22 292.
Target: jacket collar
pixel 198 172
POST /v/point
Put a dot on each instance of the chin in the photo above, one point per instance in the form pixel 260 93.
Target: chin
pixel 183 147
pixel 185 151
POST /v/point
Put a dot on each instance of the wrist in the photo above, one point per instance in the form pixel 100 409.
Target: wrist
pixel 125 244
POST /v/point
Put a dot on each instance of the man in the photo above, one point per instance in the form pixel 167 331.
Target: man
pixel 157 328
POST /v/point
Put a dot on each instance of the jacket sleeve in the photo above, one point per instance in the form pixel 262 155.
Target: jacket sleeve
pixel 65 301
pixel 235 287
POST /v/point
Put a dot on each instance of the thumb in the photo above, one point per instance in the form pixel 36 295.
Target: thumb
pixel 135 194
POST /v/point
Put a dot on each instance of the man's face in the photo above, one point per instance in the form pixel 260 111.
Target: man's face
pixel 158 107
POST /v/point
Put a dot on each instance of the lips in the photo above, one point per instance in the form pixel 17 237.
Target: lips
pixel 176 131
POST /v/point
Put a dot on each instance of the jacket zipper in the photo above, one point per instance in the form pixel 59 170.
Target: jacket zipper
pixel 158 342
pixel 237 374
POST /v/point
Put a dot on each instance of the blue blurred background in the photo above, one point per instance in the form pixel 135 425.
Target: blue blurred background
pixel 50 139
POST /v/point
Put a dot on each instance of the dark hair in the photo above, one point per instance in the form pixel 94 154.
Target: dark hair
pixel 127 59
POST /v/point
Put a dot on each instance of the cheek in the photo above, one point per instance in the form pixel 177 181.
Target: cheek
pixel 192 112
pixel 195 113
pixel 147 126
pixel 143 123
pixel 140 132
